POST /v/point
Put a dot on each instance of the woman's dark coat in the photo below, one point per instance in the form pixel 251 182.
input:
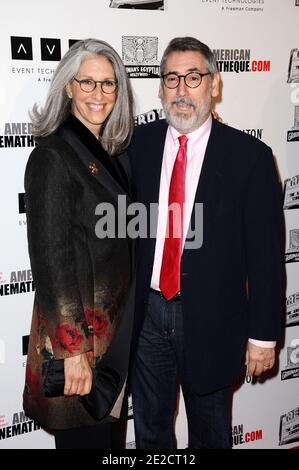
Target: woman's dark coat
pixel 82 282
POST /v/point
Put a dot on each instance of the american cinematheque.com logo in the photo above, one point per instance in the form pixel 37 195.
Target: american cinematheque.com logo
pixel 289 427
pixel 240 61
pixel 239 436
pixel 17 134
pixel 140 56
pixel 291 370
pixel 18 424
pixel 18 282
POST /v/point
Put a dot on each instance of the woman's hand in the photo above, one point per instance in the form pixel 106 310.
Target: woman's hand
pixel 78 375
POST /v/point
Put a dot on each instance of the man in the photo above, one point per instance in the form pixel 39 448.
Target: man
pixel 202 313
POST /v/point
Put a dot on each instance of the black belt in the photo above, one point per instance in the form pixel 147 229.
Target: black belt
pixel 173 299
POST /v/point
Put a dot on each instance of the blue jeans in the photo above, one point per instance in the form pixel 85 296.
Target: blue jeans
pixel 157 373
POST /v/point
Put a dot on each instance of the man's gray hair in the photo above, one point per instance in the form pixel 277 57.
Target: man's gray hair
pixel 117 130
pixel 189 44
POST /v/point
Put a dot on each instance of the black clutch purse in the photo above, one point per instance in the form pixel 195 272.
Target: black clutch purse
pixel 104 391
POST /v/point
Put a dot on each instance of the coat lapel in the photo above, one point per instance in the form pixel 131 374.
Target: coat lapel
pixel 109 171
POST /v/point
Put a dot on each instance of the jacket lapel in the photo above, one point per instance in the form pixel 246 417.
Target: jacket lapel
pixel 108 171
pixel 210 166
pixel 209 184
pixel 153 159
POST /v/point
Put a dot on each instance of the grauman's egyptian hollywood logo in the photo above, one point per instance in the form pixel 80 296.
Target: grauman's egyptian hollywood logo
pixel 140 56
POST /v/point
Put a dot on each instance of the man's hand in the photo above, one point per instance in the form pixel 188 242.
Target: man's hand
pixel 78 375
pixel 259 360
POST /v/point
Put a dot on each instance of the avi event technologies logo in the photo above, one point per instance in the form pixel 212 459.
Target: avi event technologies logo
pixel 291 193
pixel 239 6
pixel 22 206
pixel 289 427
pixel 21 48
pixel 20 424
pixel 239 61
pixel 291 370
pixel 140 56
pixel 292 308
pixel 17 134
pixel 49 51
pixel 20 282
pixel 22 222
pixel 25 345
pixel 292 253
pixel 238 436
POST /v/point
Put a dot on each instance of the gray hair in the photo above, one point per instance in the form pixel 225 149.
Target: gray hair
pixel 117 130
pixel 189 44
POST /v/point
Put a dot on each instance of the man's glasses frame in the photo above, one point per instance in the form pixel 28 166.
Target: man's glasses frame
pixel 192 79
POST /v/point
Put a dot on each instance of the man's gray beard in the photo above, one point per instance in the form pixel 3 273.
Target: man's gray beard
pixel 180 121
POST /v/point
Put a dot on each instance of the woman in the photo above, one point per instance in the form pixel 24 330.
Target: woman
pixel 82 282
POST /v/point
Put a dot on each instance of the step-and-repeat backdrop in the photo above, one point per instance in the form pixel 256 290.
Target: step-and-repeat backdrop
pixel 256 44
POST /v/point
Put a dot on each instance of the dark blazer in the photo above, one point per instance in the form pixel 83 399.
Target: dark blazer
pixel 239 190
pixel 82 282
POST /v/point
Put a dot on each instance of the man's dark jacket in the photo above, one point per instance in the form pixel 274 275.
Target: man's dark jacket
pixel 231 287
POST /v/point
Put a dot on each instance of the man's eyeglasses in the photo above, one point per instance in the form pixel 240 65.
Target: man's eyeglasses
pixel 88 85
pixel 191 79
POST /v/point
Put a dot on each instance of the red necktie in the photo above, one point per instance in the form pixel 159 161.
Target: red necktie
pixel 171 261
